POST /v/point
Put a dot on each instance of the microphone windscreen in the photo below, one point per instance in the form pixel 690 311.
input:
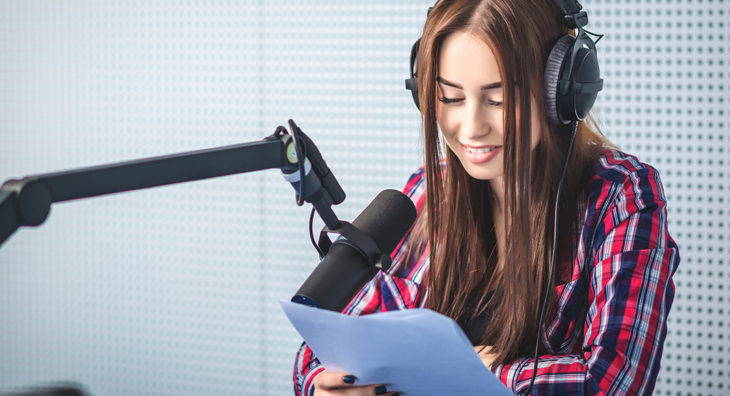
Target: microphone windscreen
pixel 387 219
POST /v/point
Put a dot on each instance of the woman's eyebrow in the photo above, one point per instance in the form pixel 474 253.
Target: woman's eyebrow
pixel 485 87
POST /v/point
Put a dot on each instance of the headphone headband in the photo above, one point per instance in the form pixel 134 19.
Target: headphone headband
pixel 571 10
pixel 568 7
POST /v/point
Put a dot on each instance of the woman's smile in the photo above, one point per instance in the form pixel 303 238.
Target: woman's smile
pixel 478 155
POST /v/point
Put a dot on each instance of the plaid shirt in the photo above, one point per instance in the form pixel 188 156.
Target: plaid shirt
pixel 631 257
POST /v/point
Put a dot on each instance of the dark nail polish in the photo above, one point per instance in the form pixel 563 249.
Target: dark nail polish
pixel 396 394
pixel 348 379
pixel 380 390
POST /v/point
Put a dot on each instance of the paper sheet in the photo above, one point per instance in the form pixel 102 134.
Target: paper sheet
pixel 415 352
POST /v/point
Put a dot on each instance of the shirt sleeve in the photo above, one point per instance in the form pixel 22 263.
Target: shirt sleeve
pixel 630 294
pixel 385 292
pixel 306 367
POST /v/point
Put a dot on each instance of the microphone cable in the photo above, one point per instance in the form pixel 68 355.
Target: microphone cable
pixel 574 129
pixel 311 234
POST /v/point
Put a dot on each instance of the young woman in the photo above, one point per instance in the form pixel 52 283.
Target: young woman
pixel 481 248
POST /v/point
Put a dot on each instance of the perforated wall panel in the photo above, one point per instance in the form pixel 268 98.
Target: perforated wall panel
pixel 666 100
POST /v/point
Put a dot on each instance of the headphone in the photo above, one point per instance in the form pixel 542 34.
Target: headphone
pixel 572 76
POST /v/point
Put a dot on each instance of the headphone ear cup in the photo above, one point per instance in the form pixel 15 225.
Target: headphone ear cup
pixel 554 65
pixel 586 82
pixel 412 83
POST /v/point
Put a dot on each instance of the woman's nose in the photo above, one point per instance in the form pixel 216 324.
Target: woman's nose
pixel 476 123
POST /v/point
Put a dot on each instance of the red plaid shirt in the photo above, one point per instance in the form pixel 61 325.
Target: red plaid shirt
pixel 631 257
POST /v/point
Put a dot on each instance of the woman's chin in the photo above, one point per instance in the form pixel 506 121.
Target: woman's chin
pixel 487 171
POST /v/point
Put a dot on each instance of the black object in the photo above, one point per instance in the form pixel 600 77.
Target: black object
pixel 572 75
pixel 27 201
pixel 353 259
pixel 71 389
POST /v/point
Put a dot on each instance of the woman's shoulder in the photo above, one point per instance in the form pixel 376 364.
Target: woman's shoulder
pixel 616 166
pixel 619 176
pixel 415 187
pixel 415 180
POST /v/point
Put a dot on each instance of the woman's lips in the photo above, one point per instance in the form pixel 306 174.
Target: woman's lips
pixel 478 155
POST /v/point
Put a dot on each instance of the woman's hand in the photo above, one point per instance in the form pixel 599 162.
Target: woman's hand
pixel 328 383
pixel 484 352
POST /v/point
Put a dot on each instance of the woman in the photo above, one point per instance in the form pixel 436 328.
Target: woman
pixel 486 205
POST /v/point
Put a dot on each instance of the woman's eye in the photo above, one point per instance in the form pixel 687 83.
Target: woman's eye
pixel 446 100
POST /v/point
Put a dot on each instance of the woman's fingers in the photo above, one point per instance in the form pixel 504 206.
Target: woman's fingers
pixel 342 384
pixel 352 391
pixel 327 380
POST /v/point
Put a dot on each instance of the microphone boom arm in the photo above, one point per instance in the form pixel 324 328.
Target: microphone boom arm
pixel 27 201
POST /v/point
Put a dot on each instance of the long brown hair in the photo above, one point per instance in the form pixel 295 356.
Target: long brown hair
pixel 457 224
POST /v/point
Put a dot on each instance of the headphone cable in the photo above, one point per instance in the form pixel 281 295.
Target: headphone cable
pixel 574 129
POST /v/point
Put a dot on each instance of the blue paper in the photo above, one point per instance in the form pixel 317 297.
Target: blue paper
pixel 415 351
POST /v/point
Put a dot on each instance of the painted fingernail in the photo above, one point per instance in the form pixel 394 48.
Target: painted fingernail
pixel 396 394
pixel 348 379
pixel 380 390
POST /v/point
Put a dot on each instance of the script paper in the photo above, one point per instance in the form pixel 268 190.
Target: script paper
pixel 415 352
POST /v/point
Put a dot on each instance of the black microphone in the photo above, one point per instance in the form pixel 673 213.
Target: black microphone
pixel 346 268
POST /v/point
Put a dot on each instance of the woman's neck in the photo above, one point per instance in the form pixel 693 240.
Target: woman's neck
pixel 497 187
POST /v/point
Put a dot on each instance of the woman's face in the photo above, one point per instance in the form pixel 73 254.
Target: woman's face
pixel 469 105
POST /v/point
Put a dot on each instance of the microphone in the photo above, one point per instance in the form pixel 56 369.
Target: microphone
pixel 346 268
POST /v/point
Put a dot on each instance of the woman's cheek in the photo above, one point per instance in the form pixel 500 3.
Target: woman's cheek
pixel 446 122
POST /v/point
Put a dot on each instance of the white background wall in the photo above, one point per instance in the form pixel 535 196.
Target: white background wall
pixel 174 290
